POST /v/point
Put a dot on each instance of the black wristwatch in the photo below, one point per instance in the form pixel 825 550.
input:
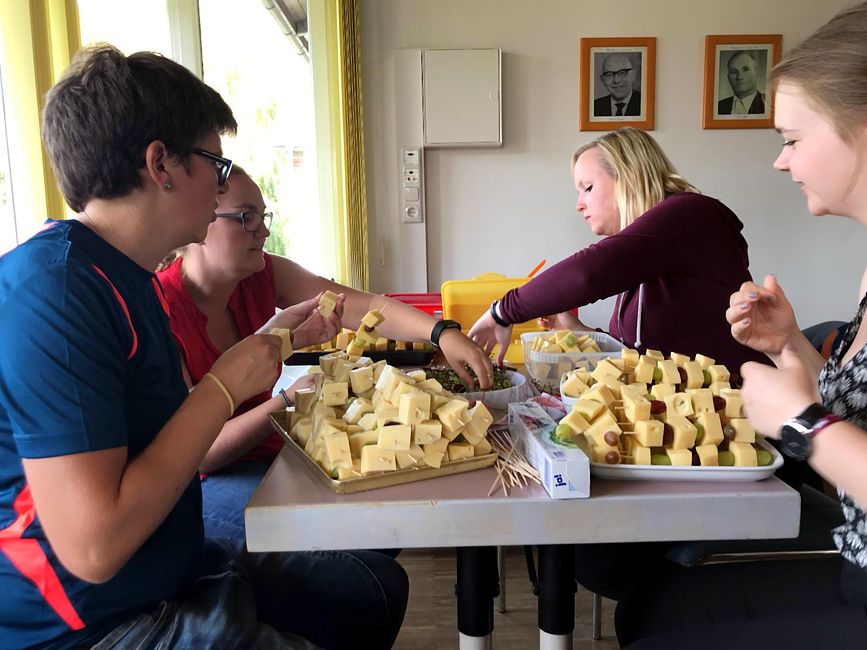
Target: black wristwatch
pixel 499 321
pixel 441 327
pixel 797 434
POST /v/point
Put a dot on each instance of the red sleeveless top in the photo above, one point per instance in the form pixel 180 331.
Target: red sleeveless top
pixel 252 303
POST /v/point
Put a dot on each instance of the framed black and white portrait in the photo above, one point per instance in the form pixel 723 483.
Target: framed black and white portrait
pixel 736 80
pixel 617 82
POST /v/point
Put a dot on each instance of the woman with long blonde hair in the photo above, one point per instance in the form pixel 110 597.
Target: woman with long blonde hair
pixel 671 255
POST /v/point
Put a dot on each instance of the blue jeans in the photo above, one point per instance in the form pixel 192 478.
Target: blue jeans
pixel 326 599
pixel 225 495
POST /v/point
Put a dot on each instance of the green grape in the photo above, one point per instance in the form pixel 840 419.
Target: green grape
pixel 563 433
pixel 657 375
pixel 708 380
pixel 699 433
pixel 726 459
pixel 660 459
pixel 763 457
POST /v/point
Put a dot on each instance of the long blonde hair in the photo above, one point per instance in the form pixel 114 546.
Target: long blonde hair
pixel 831 67
pixel 643 175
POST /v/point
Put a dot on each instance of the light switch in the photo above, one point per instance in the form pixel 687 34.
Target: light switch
pixel 410 194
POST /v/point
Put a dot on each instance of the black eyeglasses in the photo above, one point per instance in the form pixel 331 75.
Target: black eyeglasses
pixel 223 166
pixel 250 221
pixel 620 74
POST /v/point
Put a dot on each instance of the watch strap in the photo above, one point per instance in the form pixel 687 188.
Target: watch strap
pixel 823 422
pixel 499 321
pixel 440 327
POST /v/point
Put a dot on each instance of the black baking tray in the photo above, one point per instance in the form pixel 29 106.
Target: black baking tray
pixel 392 357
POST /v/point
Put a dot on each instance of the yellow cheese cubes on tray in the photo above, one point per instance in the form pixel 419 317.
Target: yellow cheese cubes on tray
pixel 649 410
pixel 364 418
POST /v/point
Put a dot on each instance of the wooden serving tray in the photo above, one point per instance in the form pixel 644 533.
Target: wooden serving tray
pixel 279 421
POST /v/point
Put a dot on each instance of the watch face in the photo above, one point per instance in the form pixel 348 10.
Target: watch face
pixel 794 443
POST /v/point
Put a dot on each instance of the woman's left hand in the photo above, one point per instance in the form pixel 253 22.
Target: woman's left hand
pixel 486 334
pixel 304 381
pixel 461 352
pixel 773 395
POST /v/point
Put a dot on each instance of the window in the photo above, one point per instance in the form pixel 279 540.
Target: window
pixel 269 85
pixel 8 225
pixel 129 26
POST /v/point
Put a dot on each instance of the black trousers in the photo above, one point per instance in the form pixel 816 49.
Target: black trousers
pixel 788 604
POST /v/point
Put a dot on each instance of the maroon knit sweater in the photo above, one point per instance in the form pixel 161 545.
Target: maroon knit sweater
pixel 689 255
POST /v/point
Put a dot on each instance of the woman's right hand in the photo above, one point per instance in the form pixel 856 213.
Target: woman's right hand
pixel 486 334
pixel 761 317
pixel 250 367
pixel 565 320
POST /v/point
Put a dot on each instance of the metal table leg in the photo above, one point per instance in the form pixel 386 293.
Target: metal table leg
pixel 477 586
pixel 557 589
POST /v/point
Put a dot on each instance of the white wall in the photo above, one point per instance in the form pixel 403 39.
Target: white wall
pixel 505 209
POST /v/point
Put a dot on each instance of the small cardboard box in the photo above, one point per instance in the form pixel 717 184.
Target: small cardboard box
pixel 565 471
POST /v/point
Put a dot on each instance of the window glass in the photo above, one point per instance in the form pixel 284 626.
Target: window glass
pixel 8 226
pixel 269 85
pixel 129 26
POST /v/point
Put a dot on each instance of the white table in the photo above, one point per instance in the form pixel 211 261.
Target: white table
pixel 293 511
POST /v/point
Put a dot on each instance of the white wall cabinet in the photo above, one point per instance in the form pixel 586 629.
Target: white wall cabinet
pixel 461 97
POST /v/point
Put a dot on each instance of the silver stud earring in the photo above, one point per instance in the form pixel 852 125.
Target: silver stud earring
pixel 167 185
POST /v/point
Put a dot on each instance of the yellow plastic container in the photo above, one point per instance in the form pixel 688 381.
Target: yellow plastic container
pixel 466 300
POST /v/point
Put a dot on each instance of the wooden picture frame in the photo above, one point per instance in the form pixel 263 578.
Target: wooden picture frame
pixel 613 69
pixel 745 60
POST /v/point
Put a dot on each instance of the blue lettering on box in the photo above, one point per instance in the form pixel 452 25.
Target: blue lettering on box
pixel 558 480
pixel 559 455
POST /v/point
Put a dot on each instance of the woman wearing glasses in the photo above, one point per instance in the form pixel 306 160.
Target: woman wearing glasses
pixel 227 287
pixel 101 536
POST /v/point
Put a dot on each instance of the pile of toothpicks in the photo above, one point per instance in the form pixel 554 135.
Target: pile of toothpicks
pixel 513 469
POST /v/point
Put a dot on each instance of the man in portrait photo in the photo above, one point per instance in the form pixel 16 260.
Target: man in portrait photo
pixel 618 77
pixel 743 75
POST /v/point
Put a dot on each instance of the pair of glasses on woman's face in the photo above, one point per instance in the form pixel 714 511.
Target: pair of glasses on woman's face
pixel 223 166
pixel 251 221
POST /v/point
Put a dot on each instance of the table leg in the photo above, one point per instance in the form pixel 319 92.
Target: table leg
pixel 557 589
pixel 477 586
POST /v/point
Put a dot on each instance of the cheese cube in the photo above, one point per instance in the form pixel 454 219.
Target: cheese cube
pixel 386 414
pixel 644 369
pixel 603 424
pixel 344 339
pixel 453 415
pixel 630 357
pixel 337 452
pixel 374 459
pixel 718 386
pixel 372 318
pixel 359 440
pixel 459 450
pixel 660 391
pixel 734 403
pixel 599 393
pixel 694 374
pixel 718 373
pixel 576 421
pixel 285 341
pixel 361 379
pixel 684 432
pixel 678 358
pixel 678 404
pixel 636 407
pixel 427 432
pixel 704 362
pixel 588 409
pixel 640 455
pixel 702 400
pixel 430 386
pixel 367 337
pixel 414 407
pixel 649 433
pixel 335 394
pixel 744 453
pixel 435 452
pixel 612 384
pixel 670 375
pixel 344 473
pixel 711 429
pixel 654 354
pixel 572 386
pixel 357 409
pixel 302 430
pixel 483 448
pixel 708 455
pixel 409 458
pixel 744 431
pixel 394 437
pixel 368 422
pixel 381 344
pixel 327 303
pixel 305 398
pixel 680 457
pixel 605 368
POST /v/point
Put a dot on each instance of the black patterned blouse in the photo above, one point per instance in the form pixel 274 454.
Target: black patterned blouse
pixel 844 392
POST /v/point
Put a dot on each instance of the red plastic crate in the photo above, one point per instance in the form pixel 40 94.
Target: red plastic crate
pixel 430 303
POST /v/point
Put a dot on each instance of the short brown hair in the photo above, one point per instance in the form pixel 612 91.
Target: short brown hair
pixel 643 175
pixel 108 107
pixel 831 67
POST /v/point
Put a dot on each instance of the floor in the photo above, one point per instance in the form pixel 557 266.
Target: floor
pixel 431 617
